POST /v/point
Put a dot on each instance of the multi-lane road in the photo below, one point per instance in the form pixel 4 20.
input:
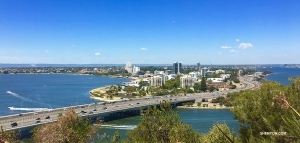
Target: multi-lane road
pixel 32 119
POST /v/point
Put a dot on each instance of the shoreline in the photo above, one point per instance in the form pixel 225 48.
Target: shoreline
pixel 205 108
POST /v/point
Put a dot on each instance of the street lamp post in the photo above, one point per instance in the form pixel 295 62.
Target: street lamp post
pixel 22 103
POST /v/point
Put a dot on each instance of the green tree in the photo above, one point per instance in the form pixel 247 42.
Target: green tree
pixel 70 128
pixel 203 84
pixel 9 136
pixel 219 133
pixel 130 89
pixel 162 124
pixel 263 113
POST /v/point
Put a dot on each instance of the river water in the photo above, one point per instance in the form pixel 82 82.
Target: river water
pixel 60 90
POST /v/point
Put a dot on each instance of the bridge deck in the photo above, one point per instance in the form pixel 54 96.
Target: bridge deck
pixel 28 120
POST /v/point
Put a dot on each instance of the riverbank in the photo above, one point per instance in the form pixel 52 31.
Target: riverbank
pixel 99 93
pixel 215 108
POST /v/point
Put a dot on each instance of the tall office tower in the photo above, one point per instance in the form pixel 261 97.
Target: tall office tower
pixel 128 66
pixel 177 68
pixel 198 66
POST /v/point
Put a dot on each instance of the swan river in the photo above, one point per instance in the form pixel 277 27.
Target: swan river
pixel 60 90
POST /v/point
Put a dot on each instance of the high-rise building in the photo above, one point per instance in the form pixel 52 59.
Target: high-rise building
pixel 198 66
pixel 186 81
pixel 204 71
pixel 177 68
pixel 135 70
pixel 128 67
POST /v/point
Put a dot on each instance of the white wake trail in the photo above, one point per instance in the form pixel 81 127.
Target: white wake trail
pixel 20 97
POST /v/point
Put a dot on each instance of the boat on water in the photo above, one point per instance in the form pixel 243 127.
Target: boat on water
pixel 28 109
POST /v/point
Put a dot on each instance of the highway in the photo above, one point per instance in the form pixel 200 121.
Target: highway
pixel 30 119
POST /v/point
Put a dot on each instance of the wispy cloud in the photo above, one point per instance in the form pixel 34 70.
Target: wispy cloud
pixel 225 47
pixel 144 49
pixel 72 45
pixel 46 51
pixel 237 40
pixel 199 54
pixel 219 53
pixel 97 54
pixel 245 45
pixel 233 51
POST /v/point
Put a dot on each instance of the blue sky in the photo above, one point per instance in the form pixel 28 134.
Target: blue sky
pixel 150 31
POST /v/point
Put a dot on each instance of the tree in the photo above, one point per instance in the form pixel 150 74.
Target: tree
pixel 70 128
pixel 203 84
pixel 142 92
pixel 197 87
pixel 219 133
pixel 130 89
pixel 262 110
pixel 162 124
pixel 9 136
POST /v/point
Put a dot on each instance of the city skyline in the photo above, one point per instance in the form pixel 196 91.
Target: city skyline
pixel 149 32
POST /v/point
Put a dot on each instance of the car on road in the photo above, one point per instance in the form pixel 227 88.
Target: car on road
pixel 83 112
pixel 130 104
pixel 104 108
pixel 48 117
pixel 95 110
pixel 38 119
pixel 14 124
pixel 138 103
pixel 91 112
pixel 20 115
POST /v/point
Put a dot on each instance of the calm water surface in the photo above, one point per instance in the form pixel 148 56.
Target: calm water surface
pixel 48 90
pixel 200 120
pixel 282 75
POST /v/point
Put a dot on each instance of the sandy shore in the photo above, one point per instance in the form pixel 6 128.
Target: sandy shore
pixel 102 90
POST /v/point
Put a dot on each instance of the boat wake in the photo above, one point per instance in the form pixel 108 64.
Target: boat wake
pixel 20 97
pixel 119 127
pixel 25 99
pixel 29 109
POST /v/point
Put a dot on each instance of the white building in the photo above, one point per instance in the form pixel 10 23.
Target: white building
pixel 186 81
pixel 210 73
pixel 204 71
pixel 135 70
pixel 223 76
pixel 194 75
pixel 156 81
pixel 219 71
pixel 128 66
pixel 215 80
pixel 168 72
pixel 158 72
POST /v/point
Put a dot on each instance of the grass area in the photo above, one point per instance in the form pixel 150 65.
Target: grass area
pixel 237 84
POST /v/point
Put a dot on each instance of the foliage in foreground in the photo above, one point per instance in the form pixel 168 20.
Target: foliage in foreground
pixel 162 124
pixel 70 128
pixel 272 109
pixel 8 136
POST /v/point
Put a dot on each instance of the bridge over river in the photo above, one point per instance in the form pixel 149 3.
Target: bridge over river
pixel 28 121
